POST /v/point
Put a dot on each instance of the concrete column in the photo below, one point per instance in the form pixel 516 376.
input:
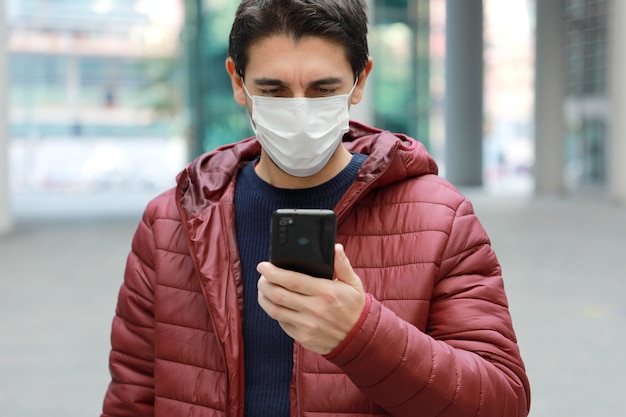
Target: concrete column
pixel 617 91
pixel 5 209
pixel 549 96
pixel 464 92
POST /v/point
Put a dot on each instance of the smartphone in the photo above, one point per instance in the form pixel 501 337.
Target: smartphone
pixel 303 240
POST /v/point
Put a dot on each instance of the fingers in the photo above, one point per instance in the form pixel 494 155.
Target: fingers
pixel 343 269
pixel 316 312
pixel 294 281
pixel 281 289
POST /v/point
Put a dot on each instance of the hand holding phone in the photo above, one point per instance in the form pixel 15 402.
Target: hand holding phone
pixel 303 240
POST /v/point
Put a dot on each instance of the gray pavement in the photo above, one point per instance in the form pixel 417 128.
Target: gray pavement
pixel 563 261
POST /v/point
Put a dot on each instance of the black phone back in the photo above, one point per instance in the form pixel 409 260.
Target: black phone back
pixel 303 240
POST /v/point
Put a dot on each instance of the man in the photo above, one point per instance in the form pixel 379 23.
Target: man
pixel 415 321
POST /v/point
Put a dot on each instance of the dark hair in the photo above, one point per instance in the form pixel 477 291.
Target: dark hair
pixel 341 21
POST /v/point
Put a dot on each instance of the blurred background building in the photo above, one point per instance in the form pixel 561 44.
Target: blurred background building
pixel 580 96
pixel 109 95
pixel 92 93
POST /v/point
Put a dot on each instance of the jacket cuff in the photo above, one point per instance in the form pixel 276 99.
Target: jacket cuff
pixel 355 329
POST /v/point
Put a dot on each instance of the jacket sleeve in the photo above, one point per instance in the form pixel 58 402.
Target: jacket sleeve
pixel 467 362
pixel 131 361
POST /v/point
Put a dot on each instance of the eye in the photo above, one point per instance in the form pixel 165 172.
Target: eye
pixel 277 91
pixel 321 91
pixel 270 91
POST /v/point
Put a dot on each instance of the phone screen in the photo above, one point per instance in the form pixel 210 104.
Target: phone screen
pixel 303 240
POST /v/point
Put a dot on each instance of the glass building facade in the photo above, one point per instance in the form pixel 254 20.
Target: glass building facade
pixel 400 45
pixel 84 71
pixel 90 68
pixel 587 108
pixel 93 94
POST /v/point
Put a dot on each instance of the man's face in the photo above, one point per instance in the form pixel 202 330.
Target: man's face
pixel 278 66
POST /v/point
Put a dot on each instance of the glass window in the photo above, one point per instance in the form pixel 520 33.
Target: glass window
pixel 399 43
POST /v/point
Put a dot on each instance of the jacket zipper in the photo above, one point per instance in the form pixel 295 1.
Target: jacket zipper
pixel 184 221
pixel 364 186
pixel 298 370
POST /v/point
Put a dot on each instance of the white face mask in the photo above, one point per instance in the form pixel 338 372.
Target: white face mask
pixel 300 134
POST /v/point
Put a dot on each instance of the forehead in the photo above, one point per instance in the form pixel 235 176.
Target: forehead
pixel 282 57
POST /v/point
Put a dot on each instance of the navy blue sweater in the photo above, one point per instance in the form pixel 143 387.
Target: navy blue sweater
pixel 268 351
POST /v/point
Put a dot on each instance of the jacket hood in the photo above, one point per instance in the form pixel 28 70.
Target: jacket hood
pixel 391 158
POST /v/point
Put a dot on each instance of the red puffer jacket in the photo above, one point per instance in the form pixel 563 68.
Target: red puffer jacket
pixel 437 339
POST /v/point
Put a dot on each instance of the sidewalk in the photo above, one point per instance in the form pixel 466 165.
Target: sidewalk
pixel 563 261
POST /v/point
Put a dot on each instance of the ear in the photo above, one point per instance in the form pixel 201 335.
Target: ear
pixel 360 85
pixel 237 82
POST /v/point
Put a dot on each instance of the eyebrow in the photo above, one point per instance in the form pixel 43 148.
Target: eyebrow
pixel 277 82
pixel 326 81
pixel 267 81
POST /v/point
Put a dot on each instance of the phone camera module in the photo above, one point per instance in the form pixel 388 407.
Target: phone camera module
pixel 283 224
pixel 285 221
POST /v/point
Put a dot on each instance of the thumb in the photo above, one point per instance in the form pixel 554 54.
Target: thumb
pixel 343 269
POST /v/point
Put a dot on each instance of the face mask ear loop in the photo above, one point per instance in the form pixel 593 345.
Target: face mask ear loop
pixel 243 83
pixel 251 101
pixel 352 92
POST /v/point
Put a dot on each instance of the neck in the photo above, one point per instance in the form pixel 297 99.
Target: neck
pixel 267 170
